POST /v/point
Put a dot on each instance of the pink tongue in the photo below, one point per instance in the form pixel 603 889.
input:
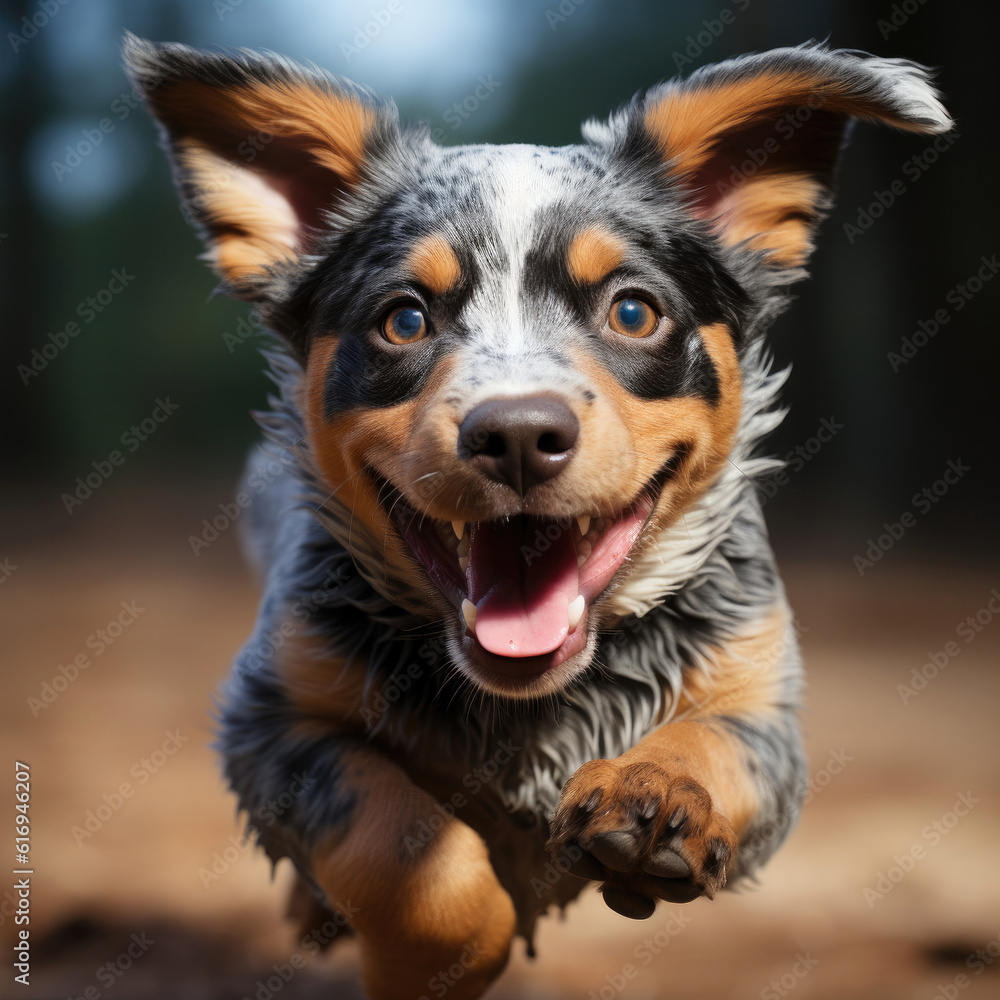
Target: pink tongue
pixel 522 581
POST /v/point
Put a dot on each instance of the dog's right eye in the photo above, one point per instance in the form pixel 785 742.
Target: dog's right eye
pixel 404 325
pixel 632 317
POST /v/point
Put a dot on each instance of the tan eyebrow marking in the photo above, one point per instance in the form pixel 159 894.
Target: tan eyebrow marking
pixel 593 254
pixel 433 263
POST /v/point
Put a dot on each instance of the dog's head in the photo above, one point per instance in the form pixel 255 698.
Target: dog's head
pixel 521 363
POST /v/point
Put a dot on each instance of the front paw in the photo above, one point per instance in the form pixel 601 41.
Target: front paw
pixel 643 833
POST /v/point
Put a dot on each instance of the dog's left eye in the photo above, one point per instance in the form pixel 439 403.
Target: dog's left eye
pixel 632 317
pixel 405 325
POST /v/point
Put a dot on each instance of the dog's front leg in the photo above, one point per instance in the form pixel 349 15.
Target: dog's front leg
pixel 430 913
pixel 670 818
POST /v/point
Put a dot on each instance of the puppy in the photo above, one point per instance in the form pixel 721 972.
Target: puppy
pixel 521 626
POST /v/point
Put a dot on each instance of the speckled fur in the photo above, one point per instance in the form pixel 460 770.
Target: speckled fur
pixel 703 581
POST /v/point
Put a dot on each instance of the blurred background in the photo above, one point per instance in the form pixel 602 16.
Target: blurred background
pixel 113 341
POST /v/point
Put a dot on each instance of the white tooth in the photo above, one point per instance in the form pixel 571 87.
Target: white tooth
pixel 584 522
pixel 576 612
pixel 463 563
pixel 459 528
pixel 469 614
pixel 580 560
pixel 583 551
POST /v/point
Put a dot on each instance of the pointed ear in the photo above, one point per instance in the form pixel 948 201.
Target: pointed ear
pixel 754 140
pixel 261 150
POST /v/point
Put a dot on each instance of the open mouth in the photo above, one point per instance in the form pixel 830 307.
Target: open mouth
pixel 524 585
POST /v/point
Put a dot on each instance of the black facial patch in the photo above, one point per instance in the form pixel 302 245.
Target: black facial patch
pixel 679 269
pixel 363 273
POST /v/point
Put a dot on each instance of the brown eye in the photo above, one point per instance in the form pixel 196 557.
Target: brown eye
pixel 632 317
pixel 405 325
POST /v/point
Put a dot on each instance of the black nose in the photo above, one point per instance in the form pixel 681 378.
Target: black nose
pixel 521 441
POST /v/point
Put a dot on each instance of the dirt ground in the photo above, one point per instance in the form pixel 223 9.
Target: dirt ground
pixel 905 791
